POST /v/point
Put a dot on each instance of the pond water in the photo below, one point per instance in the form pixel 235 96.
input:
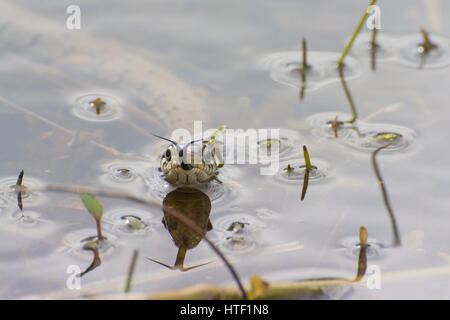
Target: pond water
pixel 159 67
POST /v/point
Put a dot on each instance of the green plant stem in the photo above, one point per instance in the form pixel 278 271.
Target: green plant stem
pixel 99 229
pixel 355 34
pixel 305 64
pixel 303 70
pixel 131 271
pixel 307 159
pixel 307 169
pixel 373 49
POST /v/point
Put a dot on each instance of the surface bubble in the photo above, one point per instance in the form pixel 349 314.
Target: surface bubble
pixel 130 221
pixel 84 109
pixel 75 241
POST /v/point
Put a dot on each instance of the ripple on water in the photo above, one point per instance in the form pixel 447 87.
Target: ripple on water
pixel 130 221
pixel 321 124
pixel 84 109
pixel 238 244
pixel 316 174
pixel 372 136
pixel 385 50
pixel 285 147
pixel 74 242
pixel 26 219
pixel 285 68
pixel 29 198
pixel 351 248
pixel 409 51
pixel 125 174
pixel 238 232
pixel 266 213
pixel 6 207
pixel 239 223
pixel 363 136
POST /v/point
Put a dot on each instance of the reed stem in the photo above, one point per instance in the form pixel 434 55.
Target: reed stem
pixel 355 34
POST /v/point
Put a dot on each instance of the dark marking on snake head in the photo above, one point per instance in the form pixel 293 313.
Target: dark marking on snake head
pixel 186 167
pixel 168 154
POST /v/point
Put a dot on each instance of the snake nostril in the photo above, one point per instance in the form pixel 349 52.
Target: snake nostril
pixel 168 154
pixel 186 167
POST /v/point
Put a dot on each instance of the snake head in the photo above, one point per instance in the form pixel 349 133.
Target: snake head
pixel 180 166
pixel 186 165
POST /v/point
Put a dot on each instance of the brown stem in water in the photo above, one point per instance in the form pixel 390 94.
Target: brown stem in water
pixel 362 259
pixel 348 95
pixel 373 49
pixel 98 223
pixel 95 262
pixel 387 204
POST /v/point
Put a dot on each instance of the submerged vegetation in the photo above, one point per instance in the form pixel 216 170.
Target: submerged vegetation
pixel 390 138
pixel 98 104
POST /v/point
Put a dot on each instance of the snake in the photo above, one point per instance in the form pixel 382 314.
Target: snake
pixel 178 169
